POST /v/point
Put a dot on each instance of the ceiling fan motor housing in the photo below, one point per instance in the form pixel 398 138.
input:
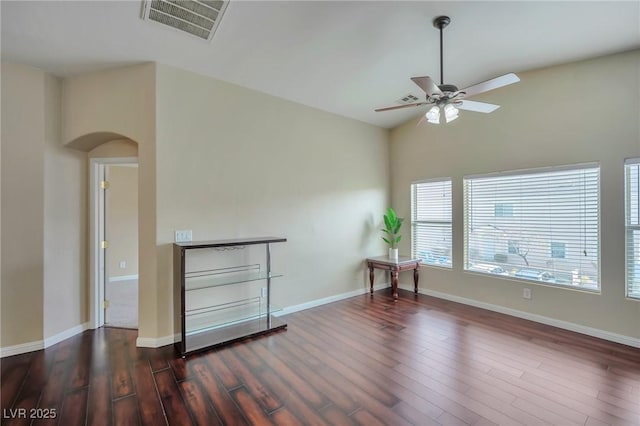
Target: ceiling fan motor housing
pixel 448 88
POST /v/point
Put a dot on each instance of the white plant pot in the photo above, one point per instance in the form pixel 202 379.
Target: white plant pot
pixel 393 253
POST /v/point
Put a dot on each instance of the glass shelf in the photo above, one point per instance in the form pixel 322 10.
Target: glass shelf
pixel 208 281
pixel 221 316
pixel 208 338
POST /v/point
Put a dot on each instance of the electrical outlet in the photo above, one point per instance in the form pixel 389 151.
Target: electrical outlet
pixel 526 293
pixel 184 236
pixel 122 264
pixel 263 292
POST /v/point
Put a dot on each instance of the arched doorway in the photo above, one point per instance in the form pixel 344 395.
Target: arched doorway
pixel 113 282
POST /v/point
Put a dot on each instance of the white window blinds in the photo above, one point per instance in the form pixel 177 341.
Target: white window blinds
pixel 632 226
pixel 539 225
pixel 431 222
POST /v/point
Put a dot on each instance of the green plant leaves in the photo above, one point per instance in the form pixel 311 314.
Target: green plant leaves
pixel 392 225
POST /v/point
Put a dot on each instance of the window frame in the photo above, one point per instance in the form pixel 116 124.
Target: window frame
pixel 628 228
pixel 414 221
pixel 468 219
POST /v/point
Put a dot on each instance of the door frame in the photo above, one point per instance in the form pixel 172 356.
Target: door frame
pixel 96 229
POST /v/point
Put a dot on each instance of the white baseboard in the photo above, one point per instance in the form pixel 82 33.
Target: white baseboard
pixel 59 337
pixel 151 342
pixel 43 344
pixel 156 342
pixel 22 348
pixel 582 329
pixel 123 278
pixel 325 300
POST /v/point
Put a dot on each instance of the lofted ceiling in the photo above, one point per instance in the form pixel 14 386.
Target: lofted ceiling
pixel 345 57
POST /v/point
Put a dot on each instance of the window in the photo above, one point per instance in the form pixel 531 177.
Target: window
pixel 431 222
pixel 632 226
pixel 539 225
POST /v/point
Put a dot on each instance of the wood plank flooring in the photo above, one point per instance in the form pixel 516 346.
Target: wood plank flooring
pixel 362 361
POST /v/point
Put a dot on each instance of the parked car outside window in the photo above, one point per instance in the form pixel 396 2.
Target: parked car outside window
pixel 488 268
pixel 537 275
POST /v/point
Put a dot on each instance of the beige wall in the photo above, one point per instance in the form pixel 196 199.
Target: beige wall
pixel 44 211
pixel 122 220
pixel 581 112
pixel 233 162
pixel 65 223
pixel 23 129
pixel 122 148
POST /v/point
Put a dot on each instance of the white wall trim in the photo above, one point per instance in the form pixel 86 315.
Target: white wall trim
pixel 582 329
pixel 151 342
pixel 325 300
pixel 22 348
pixel 43 344
pixel 156 342
pixel 123 278
pixel 59 337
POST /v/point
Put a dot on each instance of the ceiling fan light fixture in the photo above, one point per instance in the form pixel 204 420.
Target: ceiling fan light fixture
pixel 450 113
pixel 433 115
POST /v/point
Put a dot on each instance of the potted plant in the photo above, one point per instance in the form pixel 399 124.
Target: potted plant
pixel 392 225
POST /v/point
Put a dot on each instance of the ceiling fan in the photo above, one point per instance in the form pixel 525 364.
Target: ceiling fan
pixel 447 97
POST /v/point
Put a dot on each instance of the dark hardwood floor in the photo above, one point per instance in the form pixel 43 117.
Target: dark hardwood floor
pixel 365 360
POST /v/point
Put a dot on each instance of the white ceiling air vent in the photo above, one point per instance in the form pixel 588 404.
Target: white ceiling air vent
pixel 409 99
pixel 199 18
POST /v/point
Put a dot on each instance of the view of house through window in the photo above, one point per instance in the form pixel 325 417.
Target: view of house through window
pixel 632 223
pixel 431 222
pixel 539 225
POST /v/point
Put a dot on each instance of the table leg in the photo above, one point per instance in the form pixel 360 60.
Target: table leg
pixel 394 284
pixel 415 279
pixel 371 277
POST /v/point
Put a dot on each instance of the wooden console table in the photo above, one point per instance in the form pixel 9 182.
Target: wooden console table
pixel 395 267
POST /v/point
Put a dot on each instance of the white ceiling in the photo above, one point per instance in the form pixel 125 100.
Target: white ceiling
pixel 344 57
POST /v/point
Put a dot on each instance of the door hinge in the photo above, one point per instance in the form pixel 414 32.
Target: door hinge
pixel 105 304
pixel 104 184
pixel 104 244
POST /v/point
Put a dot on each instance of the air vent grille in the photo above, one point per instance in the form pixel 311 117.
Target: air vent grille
pixel 408 99
pixel 199 18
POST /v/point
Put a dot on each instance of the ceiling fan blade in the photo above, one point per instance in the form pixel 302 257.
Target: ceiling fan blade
pixel 477 106
pixel 428 85
pixel 401 106
pixel 494 83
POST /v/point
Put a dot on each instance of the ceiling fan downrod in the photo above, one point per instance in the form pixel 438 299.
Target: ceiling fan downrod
pixel 441 23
